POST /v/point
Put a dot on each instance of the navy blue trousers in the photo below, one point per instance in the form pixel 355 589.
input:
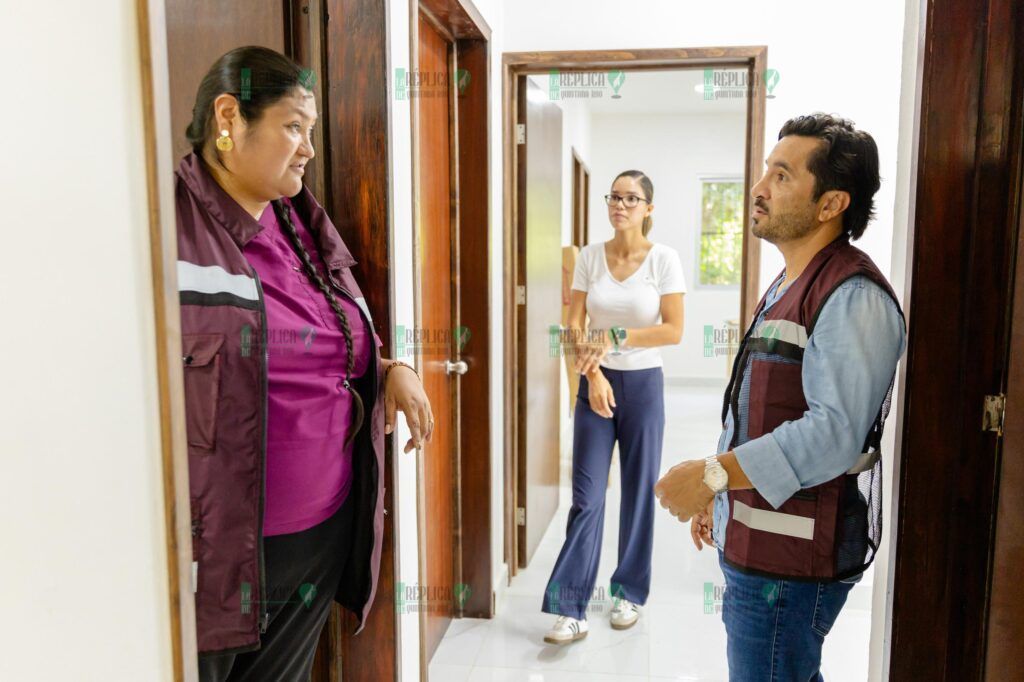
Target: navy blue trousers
pixel 638 423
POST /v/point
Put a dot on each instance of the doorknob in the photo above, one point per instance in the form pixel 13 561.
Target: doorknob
pixel 459 367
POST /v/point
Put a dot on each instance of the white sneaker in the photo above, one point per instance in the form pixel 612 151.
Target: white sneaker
pixel 566 629
pixel 624 614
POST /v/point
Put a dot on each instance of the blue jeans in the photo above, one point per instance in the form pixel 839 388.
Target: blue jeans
pixel 775 628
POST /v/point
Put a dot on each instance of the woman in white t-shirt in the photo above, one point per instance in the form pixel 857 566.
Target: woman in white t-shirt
pixel 632 291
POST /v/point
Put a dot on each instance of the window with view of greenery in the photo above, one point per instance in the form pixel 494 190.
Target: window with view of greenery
pixel 721 233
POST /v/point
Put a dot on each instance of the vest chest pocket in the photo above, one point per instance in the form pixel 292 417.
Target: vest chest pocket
pixel 201 366
pixel 776 395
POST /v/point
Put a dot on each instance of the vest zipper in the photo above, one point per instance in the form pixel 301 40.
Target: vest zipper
pixel 733 389
pixel 264 381
pixel 739 369
pixel 197 532
pixel 373 392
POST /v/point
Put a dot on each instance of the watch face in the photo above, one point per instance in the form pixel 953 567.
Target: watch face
pixel 716 478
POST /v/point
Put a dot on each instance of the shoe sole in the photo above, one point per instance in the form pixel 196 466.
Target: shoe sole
pixel 578 635
pixel 616 626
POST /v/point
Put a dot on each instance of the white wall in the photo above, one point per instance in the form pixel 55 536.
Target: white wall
pixel 83 578
pixel 818 49
pixel 675 151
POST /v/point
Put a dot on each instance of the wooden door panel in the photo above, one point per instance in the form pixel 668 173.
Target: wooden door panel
pixel 200 32
pixel 541 271
pixel 964 233
pixel 435 245
pixel 1005 618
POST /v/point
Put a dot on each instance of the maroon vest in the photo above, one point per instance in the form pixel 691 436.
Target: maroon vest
pixel 830 531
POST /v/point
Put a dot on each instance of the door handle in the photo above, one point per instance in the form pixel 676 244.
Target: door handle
pixel 459 367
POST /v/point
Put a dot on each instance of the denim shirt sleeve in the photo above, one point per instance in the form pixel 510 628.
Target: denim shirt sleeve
pixel 848 363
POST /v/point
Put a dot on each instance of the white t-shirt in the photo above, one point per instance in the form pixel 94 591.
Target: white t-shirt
pixel 633 303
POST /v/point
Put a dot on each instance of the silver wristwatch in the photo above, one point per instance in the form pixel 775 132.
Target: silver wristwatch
pixel 715 475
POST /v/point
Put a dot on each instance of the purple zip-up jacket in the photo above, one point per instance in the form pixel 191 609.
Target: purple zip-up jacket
pixel 223 329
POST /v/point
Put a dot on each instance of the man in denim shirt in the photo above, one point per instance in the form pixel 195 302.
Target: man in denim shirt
pixel 815 195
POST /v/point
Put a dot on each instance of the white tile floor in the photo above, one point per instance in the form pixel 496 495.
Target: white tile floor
pixel 674 638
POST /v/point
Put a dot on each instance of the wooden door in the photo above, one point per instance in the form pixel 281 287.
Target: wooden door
pixel 1006 615
pixel 956 592
pixel 580 197
pixel 1006 618
pixel 436 236
pixel 539 270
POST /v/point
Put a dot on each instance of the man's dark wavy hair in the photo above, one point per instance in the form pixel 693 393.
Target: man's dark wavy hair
pixel 847 160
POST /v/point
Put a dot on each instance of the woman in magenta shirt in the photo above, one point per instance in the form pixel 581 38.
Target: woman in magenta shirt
pixel 309 412
pixel 284 387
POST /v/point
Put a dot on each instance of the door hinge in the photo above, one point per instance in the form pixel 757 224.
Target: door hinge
pixel 994 413
pixel 520 133
pixel 520 294
pixel 520 516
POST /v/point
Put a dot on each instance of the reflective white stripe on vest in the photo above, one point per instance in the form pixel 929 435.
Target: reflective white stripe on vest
pixel 362 304
pixel 865 462
pixel 213 279
pixel 783 330
pixel 773 522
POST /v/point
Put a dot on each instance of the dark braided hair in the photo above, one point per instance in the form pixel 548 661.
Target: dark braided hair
pixel 284 217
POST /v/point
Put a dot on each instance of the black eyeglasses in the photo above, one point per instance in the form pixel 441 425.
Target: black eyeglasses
pixel 629 200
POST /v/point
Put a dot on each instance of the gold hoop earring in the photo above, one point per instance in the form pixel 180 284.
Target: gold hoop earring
pixel 225 143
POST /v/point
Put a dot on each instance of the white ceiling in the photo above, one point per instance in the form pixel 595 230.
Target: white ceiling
pixel 677 92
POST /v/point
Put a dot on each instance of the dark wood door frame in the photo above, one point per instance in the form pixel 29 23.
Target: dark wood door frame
pixel 516 64
pixel 469 78
pixel 964 236
pixel 163 244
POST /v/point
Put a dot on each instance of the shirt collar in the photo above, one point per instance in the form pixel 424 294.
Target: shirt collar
pixel 242 226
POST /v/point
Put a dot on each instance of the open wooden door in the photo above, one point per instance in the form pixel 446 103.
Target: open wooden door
pixel 1006 608
pixel 437 240
pixel 1006 601
pixel 957 611
pixel 580 199
pixel 448 89
pixel 539 284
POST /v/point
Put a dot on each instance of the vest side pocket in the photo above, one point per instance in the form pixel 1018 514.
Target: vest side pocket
pixel 201 367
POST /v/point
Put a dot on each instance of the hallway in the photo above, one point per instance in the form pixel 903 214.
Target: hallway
pixel 267 208
pixel 675 639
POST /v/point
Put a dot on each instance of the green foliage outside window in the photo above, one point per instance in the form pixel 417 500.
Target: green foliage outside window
pixel 721 233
